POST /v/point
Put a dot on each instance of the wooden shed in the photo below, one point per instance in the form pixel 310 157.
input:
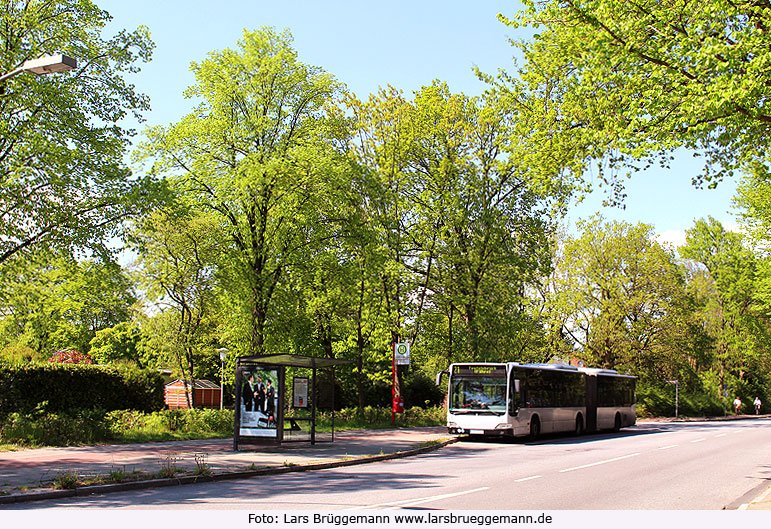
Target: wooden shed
pixel 207 394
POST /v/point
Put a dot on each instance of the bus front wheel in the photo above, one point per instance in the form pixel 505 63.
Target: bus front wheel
pixel 535 428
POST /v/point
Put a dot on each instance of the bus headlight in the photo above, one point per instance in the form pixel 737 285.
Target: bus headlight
pixel 502 426
pixel 452 425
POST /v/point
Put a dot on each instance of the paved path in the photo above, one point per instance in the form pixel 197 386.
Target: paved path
pixel 25 470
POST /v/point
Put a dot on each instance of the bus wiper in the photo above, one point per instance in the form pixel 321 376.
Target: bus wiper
pixel 460 411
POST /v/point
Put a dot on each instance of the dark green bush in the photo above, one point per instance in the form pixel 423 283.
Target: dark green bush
pixel 380 417
pixel 68 387
pixel 422 391
pixel 43 428
pixel 657 401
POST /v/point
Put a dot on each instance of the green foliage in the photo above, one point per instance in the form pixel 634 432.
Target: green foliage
pixel 460 219
pixel 631 82
pixel 380 417
pixel 659 401
pixel 63 181
pixel 617 295
pixel 43 428
pixel 737 324
pixel 178 254
pixel 131 425
pixel 56 302
pixel 256 152
pixel 69 387
pixel 116 344
pixel 66 480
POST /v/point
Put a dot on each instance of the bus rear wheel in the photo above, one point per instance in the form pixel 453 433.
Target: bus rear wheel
pixel 535 428
pixel 617 423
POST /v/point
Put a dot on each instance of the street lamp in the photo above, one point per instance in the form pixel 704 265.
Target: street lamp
pixel 223 355
pixel 42 66
pixel 676 395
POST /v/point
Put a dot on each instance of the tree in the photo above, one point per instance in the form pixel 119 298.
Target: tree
pixel 51 302
pixel 256 153
pixel 632 81
pixel 618 292
pixel 462 215
pixel 738 326
pixel 753 197
pixel 63 182
pixel 178 252
pixel 117 344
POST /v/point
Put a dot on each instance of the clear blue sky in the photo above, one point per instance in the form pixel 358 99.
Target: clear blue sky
pixel 367 45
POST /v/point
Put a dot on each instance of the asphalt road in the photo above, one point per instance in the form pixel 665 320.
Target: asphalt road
pixel 674 466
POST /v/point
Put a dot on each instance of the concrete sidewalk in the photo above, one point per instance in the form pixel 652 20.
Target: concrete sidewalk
pixel 26 475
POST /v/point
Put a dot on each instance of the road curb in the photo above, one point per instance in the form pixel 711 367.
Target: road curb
pixel 221 476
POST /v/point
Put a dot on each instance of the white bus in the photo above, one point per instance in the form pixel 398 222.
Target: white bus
pixel 513 399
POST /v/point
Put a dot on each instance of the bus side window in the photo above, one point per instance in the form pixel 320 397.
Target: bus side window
pixel 515 396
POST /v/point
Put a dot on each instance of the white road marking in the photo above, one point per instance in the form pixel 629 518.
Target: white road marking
pixel 600 462
pixel 721 435
pixel 416 501
pixel 699 440
pixel 520 480
pixel 667 447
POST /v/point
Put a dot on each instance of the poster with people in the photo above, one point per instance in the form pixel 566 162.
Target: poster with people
pixel 259 402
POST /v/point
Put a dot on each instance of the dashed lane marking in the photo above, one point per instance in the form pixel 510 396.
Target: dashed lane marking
pixel 520 480
pixel 604 461
pixel 415 501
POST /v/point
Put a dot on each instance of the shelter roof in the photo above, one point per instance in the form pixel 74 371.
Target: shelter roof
pixel 199 384
pixel 293 360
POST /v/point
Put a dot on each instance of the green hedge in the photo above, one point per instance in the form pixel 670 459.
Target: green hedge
pixel 60 387
pixel 660 402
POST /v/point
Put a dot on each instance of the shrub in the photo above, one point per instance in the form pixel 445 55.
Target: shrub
pixel 70 357
pixel 169 424
pixel 43 428
pixel 657 401
pixel 72 386
pixel 380 417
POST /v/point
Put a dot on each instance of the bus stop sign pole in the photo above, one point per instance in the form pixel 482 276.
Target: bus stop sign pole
pixel 393 385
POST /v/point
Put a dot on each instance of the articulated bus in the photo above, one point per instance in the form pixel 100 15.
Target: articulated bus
pixel 513 399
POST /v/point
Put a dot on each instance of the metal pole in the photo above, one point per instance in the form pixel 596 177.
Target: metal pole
pixel 313 404
pixel 393 385
pixel 223 354
pixel 677 396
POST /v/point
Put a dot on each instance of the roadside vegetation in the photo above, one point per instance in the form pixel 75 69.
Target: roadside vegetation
pixel 80 427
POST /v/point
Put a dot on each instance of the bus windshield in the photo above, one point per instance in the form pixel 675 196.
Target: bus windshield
pixel 478 393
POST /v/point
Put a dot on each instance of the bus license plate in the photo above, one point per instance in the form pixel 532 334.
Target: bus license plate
pixel 476 432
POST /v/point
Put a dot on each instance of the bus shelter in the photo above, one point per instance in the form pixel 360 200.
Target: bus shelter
pixel 261 397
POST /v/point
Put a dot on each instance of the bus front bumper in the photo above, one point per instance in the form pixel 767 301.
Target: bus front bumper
pixel 470 431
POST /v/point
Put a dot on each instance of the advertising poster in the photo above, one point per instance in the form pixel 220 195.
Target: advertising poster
pixel 258 399
pixel 300 392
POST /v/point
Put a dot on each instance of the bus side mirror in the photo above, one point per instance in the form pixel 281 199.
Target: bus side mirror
pixel 516 385
pixel 439 377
